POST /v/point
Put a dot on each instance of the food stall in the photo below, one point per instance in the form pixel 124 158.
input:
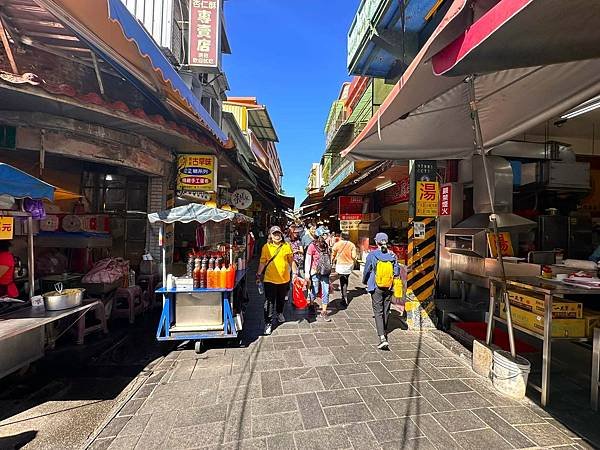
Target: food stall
pixel 194 307
pixel 22 322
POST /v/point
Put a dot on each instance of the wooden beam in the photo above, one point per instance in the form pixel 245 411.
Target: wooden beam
pixel 7 48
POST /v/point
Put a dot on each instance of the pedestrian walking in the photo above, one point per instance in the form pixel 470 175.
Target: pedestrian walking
pixel 309 235
pixel 297 248
pixel 317 267
pixel 343 255
pixel 381 267
pixel 274 271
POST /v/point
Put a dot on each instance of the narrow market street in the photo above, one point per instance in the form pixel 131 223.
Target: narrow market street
pixel 315 385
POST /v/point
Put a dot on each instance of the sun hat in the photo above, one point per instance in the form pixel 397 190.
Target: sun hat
pixel 274 229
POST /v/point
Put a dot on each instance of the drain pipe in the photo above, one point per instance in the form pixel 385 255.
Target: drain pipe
pixel 493 219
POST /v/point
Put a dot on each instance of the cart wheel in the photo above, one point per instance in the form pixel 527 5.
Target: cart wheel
pixel 198 347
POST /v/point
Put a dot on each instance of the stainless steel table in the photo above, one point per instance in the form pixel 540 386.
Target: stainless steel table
pixel 549 290
pixel 22 334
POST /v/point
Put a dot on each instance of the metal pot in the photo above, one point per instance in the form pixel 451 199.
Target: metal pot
pixel 63 299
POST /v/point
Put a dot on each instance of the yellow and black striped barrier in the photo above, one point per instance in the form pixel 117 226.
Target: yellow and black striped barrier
pixel 420 307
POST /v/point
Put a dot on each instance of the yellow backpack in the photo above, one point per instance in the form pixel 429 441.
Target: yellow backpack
pixel 384 274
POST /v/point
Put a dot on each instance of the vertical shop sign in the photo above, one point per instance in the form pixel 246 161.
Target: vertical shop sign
pixel 196 173
pixel 350 207
pixel 205 33
pixel 445 202
pixel 428 198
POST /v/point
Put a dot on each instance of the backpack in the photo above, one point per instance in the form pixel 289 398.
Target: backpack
pixel 384 274
pixel 324 263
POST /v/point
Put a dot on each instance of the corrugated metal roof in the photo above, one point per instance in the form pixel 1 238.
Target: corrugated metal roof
pixel 260 123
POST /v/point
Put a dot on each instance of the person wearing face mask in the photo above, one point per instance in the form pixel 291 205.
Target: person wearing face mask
pixel 317 269
pixel 276 265
pixel 381 267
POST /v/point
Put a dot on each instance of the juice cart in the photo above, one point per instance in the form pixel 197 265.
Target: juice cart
pixel 200 313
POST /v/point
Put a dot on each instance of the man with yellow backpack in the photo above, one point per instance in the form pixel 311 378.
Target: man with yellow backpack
pixel 381 267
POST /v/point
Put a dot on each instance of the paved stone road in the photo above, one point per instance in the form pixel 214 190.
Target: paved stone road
pixel 314 385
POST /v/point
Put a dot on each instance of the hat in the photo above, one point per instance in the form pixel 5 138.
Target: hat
pixel 321 231
pixel 274 229
pixel 381 237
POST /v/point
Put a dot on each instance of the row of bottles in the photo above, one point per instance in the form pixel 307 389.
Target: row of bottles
pixel 213 273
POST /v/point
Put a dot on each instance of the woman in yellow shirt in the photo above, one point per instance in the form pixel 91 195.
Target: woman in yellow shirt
pixel 274 270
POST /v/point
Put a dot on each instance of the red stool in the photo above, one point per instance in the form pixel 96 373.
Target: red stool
pixel 127 302
pixel 100 314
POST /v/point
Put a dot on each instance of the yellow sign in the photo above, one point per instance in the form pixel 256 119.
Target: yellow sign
pixel 7 228
pixel 428 198
pixel 505 244
pixel 196 173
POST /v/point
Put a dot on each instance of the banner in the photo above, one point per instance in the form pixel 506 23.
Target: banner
pixel 196 173
pixel 505 244
pixel 205 34
pixel 350 207
pixel 7 228
pixel 428 198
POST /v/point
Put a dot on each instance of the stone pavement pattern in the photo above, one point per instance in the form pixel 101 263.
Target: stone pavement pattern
pixel 314 385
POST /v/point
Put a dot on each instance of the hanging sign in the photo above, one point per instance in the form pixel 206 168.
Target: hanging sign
pixel 428 198
pixel 445 200
pixel 398 193
pixel 349 225
pixel 7 228
pixel 241 199
pixel 205 32
pixel 350 207
pixel 196 173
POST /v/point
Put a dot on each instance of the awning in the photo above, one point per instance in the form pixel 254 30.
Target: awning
pixel 113 32
pixel 428 117
pixel 195 212
pixel 19 184
pixel 261 125
pixel 524 33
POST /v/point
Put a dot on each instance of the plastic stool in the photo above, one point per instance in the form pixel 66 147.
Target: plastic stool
pixel 99 313
pixel 133 303
pixel 149 283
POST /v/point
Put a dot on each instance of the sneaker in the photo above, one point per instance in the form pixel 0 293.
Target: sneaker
pixel 281 318
pixel 324 317
pixel 383 344
pixel 268 329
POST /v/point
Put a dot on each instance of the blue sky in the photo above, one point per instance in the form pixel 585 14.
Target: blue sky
pixel 292 56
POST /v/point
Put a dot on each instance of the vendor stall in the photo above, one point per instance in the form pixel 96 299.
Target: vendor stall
pixel 23 321
pixel 202 303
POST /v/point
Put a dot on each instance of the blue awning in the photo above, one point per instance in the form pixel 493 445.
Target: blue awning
pixel 114 33
pixel 19 184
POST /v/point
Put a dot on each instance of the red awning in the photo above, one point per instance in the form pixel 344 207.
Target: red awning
pixel 524 33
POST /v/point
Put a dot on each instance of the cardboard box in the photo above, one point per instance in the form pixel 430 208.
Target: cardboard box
pixel 561 309
pixel 592 320
pixel 574 328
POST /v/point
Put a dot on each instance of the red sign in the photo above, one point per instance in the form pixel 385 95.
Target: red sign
pixel 350 207
pixel 398 193
pixel 446 200
pixel 205 32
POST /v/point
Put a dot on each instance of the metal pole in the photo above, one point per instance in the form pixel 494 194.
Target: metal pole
pixel 493 218
pixel 30 257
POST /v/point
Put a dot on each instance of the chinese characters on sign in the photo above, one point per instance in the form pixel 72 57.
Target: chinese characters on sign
pixel 349 225
pixel 398 193
pixel 428 195
pixel 6 228
pixel 241 199
pixel 196 173
pixel 505 244
pixel 445 199
pixel 205 30
pixel 350 207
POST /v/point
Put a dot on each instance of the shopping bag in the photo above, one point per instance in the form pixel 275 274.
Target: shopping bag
pixel 298 296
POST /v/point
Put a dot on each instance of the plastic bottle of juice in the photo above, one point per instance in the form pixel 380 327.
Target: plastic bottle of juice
pixel 230 276
pixel 218 278
pixel 210 274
